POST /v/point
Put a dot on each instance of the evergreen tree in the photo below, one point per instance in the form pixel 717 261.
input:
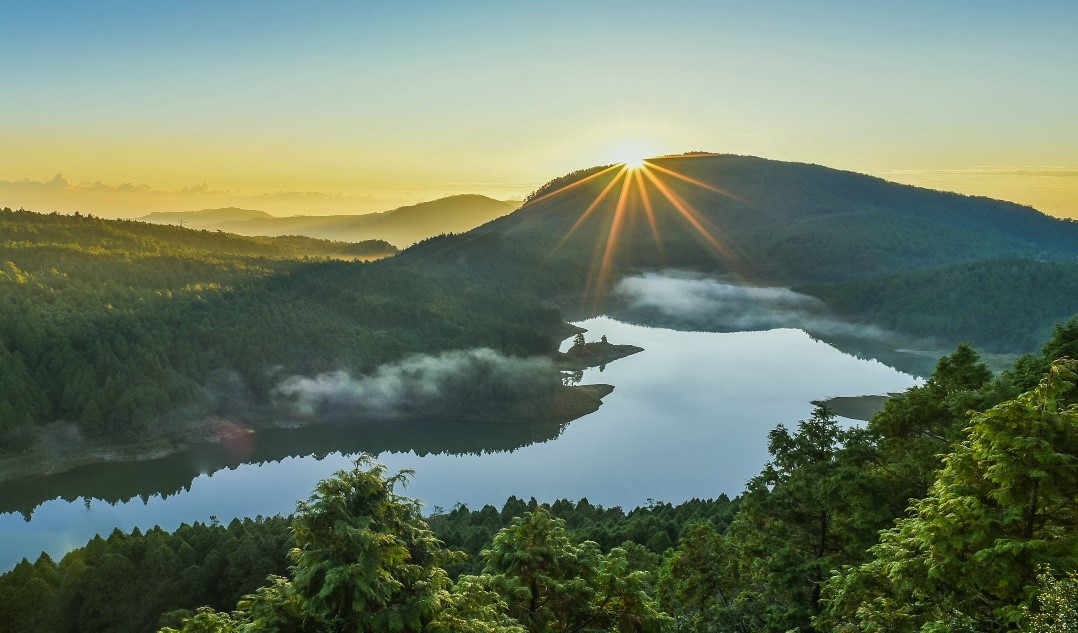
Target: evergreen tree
pixel 1002 506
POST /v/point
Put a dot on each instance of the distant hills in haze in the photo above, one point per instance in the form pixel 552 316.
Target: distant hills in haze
pixel 203 218
pixel 401 227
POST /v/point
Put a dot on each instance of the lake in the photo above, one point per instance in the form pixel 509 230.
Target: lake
pixel 688 417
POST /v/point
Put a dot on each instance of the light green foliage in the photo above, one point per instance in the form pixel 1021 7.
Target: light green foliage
pixel 364 558
pixel 206 620
pixel 276 608
pixel 1028 370
pixel 1057 605
pixel 1003 504
pixel 474 607
pixel 553 584
pixel 542 573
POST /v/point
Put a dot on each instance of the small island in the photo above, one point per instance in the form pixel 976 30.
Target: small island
pixel 583 355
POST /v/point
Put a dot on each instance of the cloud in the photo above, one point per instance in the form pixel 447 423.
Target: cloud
pixel 451 381
pixel 129 199
pixel 688 300
pixel 309 195
pixel 61 183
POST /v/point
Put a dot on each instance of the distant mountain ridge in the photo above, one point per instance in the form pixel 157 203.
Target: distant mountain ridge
pixel 401 226
pixel 203 218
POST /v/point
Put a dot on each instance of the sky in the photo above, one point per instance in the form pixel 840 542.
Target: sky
pixel 124 108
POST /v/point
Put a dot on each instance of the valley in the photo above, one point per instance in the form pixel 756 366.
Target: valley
pixel 162 375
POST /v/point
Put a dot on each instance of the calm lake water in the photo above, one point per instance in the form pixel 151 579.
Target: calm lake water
pixel 688 418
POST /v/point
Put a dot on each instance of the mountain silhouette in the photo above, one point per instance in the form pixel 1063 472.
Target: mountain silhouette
pixel 400 227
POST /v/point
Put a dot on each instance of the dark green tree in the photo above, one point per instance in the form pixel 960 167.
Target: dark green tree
pixel 1002 506
pixel 553 584
pixel 916 428
pixel 810 510
pixel 700 584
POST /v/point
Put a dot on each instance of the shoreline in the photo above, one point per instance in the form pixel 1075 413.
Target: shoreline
pixel 564 404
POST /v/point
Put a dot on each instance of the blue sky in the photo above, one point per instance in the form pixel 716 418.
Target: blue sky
pixel 404 101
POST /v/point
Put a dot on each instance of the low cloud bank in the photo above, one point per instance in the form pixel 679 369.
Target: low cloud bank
pixel 451 381
pixel 689 300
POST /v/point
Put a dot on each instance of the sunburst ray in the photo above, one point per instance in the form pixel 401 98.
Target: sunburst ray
pixel 687 179
pixel 650 213
pixel 690 215
pixel 571 185
pixel 615 228
pixel 593 206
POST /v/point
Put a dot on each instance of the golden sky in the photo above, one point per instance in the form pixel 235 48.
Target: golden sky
pixel 351 108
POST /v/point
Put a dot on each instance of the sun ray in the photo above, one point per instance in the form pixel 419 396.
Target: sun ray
pixel 689 214
pixel 594 205
pixel 571 185
pixel 615 228
pixel 636 181
pixel 694 181
pixel 649 212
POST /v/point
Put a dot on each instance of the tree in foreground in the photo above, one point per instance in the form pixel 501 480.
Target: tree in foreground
pixel 967 556
pixel 552 584
pixel 366 561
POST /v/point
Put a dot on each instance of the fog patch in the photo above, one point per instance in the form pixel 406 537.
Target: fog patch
pixel 61 436
pixel 689 300
pixel 455 381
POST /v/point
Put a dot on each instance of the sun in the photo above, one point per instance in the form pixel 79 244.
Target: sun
pixel 635 182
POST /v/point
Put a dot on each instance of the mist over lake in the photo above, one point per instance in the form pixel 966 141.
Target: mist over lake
pixel 688 417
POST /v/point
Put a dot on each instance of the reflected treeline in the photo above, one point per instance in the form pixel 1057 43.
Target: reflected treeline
pixel 508 429
pixel 904 354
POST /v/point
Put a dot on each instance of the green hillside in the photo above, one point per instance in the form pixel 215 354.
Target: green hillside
pixel 871 249
pixel 117 327
pixel 787 222
pixel 1007 304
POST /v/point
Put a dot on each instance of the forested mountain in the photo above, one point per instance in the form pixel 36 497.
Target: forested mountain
pixel 1006 304
pixel 122 328
pixel 781 222
pixel 871 249
pixel 401 227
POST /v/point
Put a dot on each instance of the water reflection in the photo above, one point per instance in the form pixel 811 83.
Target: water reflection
pixel 174 474
pixel 688 418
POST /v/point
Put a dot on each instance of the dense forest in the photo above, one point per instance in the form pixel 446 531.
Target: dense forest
pixel 953 509
pixel 1002 305
pixel 119 327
